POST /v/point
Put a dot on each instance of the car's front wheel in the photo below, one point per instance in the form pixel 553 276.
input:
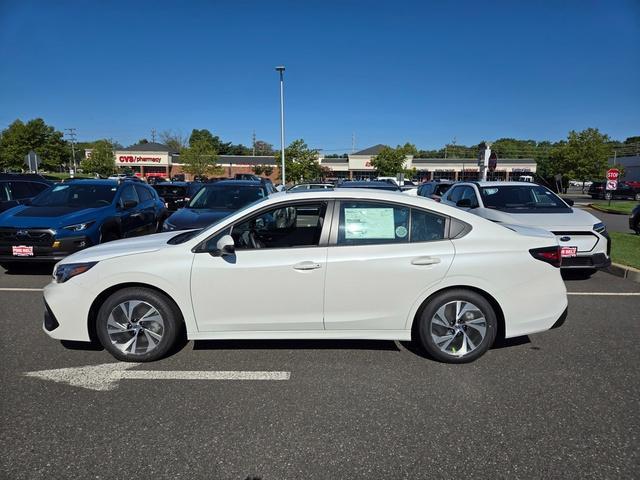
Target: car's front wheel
pixel 138 325
pixel 457 326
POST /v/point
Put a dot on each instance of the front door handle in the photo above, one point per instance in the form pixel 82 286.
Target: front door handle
pixel 306 266
pixel 425 261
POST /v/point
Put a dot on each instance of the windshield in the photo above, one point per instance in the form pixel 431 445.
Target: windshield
pixel 228 197
pixel 522 199
pixel 70 195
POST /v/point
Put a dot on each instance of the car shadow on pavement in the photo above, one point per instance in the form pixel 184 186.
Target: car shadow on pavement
pixel 500 343
pixel 295 345
pixel 577 274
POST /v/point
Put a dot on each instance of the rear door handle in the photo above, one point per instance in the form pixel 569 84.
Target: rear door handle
pixel 307 266
pixel 425 261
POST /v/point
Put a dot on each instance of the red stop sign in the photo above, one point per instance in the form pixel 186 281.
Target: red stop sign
pixel 612 174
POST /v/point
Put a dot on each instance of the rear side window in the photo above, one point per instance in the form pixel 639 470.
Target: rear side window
pixel 442 188
pixel 426 226
pixel 144 194
pixel 370 223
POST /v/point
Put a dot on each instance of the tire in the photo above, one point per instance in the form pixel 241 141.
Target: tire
pixel 125 334
pixel 473 335
pixel 109 236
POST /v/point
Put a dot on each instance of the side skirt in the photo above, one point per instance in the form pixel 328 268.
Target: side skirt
pixel 403 335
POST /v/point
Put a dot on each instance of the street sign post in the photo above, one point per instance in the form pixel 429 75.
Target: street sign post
pixel 612 181
pixel 32 161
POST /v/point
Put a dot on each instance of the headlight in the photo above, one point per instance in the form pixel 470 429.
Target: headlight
pixel 79 226
pixel 65 271
pixel 600 227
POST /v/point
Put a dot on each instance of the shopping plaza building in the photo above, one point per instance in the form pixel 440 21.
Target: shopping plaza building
pixel 155 159
pixel 357 166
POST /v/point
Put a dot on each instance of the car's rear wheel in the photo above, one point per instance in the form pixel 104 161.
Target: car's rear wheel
pixel 457 326
pixel 138 325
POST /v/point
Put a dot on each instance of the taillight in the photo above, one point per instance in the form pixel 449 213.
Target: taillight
pixel 550 255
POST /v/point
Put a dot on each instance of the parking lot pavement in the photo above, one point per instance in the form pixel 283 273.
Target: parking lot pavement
pixel 557 404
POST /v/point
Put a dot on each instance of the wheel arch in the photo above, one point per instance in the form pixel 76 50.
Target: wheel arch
pixel 102 297
pixel 111 224
pixel 500 334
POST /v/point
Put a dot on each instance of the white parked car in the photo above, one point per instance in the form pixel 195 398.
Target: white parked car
pixel 583 237
pixel 334 264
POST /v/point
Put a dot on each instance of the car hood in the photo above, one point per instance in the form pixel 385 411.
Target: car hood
pixel 27 216
pixel 577 219
pixel 120 248
pixel 186 218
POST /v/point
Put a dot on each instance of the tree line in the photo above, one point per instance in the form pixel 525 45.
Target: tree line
pixel 581 156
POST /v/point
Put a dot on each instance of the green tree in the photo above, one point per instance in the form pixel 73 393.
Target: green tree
pixel 264 148
pixel 175 141
pixel 19 138
pixel 101 160
pixel 389 162
pixel 301 162
pixel 200 158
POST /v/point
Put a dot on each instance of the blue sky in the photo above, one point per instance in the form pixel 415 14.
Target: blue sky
pixel 391 72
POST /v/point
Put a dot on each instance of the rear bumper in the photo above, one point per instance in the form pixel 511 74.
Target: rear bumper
pixel 597 260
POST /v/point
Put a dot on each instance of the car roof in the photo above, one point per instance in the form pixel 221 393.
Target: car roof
pixel 97 181
pixel 364 183
pixel 174 184
pixel 500 184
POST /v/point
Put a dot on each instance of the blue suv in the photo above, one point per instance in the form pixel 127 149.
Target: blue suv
pixel 77 214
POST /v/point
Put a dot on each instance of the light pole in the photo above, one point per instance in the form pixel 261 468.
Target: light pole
pixel 280 69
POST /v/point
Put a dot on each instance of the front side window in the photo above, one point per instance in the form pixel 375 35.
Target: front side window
pixel 143 193
pixel 287 226
pixel 467 193
pixel 367 223
pixel 128 195
pixel 4 192
pixel 455 194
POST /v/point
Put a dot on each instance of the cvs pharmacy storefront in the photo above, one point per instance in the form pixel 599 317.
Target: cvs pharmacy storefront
pixel 146 160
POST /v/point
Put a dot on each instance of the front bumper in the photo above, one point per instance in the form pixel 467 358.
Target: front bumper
pixel 55 250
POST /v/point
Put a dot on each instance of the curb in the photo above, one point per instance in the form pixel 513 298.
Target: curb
pixel 623 271
pixel 606 210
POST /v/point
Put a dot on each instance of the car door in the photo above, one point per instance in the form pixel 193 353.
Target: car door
pixel 275 280
pixel 131 222
pixel 382 257
pixel 147 209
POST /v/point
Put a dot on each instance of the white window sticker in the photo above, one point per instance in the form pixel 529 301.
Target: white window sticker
pixel 369 223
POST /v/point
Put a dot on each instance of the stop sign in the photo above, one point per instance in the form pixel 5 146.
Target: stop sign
pixel 612 174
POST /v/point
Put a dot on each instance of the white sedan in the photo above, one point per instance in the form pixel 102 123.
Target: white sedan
pixel 584 239
pixel 343 264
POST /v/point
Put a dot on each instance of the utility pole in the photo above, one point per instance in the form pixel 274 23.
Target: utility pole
pixel 72 137
pixel 153 135
pixel 280 69
pixel 253 142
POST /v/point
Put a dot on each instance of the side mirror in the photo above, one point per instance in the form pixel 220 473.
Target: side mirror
pixel 225 247
pixel 464 203
pixel 129 204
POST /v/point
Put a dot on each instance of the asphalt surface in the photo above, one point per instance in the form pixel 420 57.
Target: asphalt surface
pixel 560 404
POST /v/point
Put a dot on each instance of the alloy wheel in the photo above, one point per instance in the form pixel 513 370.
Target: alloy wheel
pixel 458 328
pixel 135 327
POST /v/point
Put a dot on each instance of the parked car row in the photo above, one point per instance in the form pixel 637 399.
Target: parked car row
pixel 624 190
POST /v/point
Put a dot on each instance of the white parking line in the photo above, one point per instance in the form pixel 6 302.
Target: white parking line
pixel 607 294
pixel 2 289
